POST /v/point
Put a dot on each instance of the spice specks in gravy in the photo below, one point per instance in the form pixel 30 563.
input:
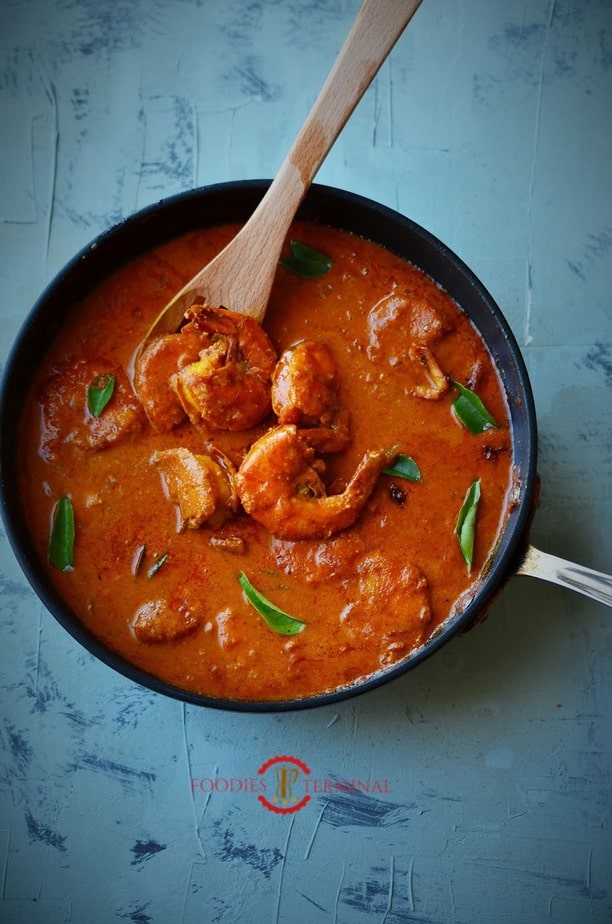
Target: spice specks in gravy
pixel 267 513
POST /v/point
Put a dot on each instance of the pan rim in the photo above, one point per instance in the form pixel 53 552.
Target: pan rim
pixel 160 221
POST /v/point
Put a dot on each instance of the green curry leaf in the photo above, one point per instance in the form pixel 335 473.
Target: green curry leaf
pixel 305 261
pixel 465 530
pixel 277 620
pixel 404 467
pixel 471 411
pixel 100 392
pixel 157 564
pixel 61 542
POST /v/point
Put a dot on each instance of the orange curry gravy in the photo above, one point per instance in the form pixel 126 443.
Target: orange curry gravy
pixel 371 593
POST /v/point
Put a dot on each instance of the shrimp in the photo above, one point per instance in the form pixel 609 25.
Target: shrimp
pixel 172 617
pixel 305 392
pixel 201 486
pixel 65 417
pixel 402 330
pixel 155 367
pixel 436 381
pixel 228 386
pixel 159 621
pixel 389 605
pixel 398 320
pixel 280 486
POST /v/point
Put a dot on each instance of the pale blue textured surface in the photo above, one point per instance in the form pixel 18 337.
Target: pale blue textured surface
pixel 491 124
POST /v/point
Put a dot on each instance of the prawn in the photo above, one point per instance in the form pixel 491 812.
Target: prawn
pixel 402 329
pixel 155 367
pixel 280 485
pixel 202 487
pixel 173 617
pixel 228 386
pixel 65 417
pixel 436 381
pixel 305 392
pixel 398 320
pixel 392 597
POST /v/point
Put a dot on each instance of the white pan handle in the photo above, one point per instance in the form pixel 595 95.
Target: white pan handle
pixel 593 584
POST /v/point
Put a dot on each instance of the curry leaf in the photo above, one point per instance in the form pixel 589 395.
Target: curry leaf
pixel 305 261
pixel 471 411
pixel 157 565
pixel 404 467
pixel 100 392
pixel 276 619
pixel 465 529
pixel 61 542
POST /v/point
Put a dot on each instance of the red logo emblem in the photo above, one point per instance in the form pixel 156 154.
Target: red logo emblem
pixel 286 778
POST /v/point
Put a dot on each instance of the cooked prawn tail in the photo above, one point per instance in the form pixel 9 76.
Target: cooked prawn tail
pixel 437 380
pixel 367 472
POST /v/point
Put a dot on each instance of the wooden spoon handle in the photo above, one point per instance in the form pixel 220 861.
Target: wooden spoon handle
pixel 375 31
pixel 241 276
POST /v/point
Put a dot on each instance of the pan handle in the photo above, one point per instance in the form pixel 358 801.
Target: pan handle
pixel 593 584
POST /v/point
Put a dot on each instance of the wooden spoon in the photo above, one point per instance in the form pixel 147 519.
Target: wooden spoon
pixel 240 277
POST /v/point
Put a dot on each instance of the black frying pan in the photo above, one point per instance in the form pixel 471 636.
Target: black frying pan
pixel 235 202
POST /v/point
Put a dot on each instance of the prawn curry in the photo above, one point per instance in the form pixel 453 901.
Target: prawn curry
pixel 269 512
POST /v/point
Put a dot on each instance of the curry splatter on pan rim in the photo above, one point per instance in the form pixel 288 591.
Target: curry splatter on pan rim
pixel 235 201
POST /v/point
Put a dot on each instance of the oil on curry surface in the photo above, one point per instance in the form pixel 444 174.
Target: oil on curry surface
pixel 267 513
